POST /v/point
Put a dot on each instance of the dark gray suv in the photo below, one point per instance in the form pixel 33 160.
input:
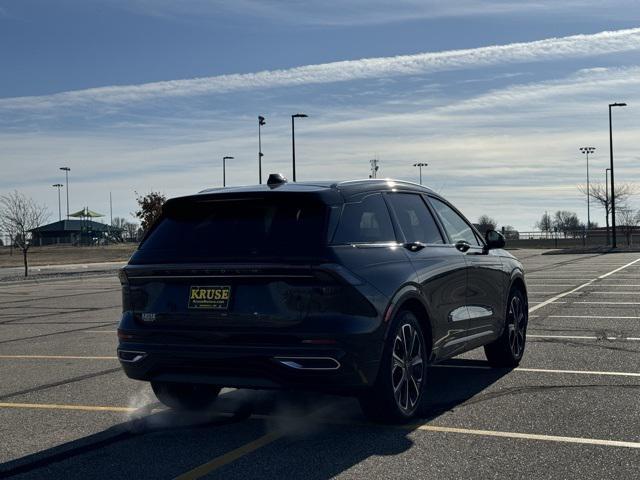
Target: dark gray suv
pixel 347 287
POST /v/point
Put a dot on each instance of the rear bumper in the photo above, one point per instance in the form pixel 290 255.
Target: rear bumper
pixel 311 368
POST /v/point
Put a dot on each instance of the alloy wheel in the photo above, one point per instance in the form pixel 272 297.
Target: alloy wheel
pixel 407 369
pixel 517 326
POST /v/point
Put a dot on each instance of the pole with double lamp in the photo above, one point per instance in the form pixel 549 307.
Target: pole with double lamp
pixel 58 186
pixel 261 122
pixel 613 195
pixel 224 170
pixel 66 172
pixel 586 151
pixel 420 165
pixel 293 140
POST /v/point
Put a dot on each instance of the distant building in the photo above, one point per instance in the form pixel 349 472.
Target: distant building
pixel 75 232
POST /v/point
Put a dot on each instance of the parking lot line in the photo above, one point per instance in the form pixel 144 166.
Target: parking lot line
pixel 528 436
pixel 580 287
pixel 608 303
pixel 268 438
pixel 616 293
pixel 546 370
pixel 51 406
pixel 605 317
pixel 55 357
pixel 583 337
pixel 231 456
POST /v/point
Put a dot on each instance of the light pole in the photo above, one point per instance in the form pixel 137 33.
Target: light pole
pixel 293 140
pixel 606 200
pixel 58 186
pixel 261 122
pixel 613 194
pixel 66 173
pixel 586 151
pixel 420 165
pixel 224 170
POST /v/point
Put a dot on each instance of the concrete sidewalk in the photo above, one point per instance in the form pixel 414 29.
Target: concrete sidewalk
pixel 40 271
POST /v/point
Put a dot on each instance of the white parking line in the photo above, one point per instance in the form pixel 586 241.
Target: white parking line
pixel 606 317
pixel 547 370
pixel 54 357
pixel 580 287
pixel 581 337
pixel 530 436
pixel 551 302
pixel 616 293
pixel 609 303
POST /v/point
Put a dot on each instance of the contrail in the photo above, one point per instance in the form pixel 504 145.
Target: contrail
pixel 575 46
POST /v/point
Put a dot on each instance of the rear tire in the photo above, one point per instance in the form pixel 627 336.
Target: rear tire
pixel 185 396
pixel 507 350
pixel 400 385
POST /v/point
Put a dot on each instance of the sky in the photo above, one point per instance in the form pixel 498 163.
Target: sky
pixel 496 96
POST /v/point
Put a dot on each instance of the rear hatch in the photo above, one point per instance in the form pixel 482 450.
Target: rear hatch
pixel 236 265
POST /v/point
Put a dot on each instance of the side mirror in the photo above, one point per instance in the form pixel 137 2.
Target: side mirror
pixel 494 240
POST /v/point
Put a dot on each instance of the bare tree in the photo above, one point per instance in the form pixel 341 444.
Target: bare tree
pixel 629 220
pixel 486 223
pixel 566 222
pixel 131 230
pixel 598 192
pixel 19 215
pixel 545 223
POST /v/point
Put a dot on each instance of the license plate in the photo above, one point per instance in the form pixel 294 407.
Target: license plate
pixel 210 297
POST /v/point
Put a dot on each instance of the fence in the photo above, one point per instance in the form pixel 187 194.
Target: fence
pixel 575 238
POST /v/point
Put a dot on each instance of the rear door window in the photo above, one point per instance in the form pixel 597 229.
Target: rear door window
pixel 457 227
pixel 209 230
pixel 366 221
pixel 415 219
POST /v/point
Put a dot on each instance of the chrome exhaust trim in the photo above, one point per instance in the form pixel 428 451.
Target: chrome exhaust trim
pixel 131 356
pixel 309 363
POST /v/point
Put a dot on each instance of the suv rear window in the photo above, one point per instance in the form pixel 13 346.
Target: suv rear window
pixel 210 230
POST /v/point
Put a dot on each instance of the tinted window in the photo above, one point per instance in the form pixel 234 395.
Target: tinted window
pixel 454 224
pixel 414 218
pixel 244 229
pixel 365 222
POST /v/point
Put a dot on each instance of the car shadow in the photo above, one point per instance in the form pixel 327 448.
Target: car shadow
pixel 320 435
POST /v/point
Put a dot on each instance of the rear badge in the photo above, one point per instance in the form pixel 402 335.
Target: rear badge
pixel 148 317
pixel 212 298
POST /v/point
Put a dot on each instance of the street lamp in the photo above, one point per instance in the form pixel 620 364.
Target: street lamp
pixel 66 173
pixel 293 140
pixel 420 165
pixel 261 122
pixel 224 170
pixel 58 186
pixel 606 200
pixel 613 194
pixel 586 151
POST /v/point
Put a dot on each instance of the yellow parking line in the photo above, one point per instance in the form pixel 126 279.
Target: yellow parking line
pixel 52 406
pixel 55 357
pixel 230 457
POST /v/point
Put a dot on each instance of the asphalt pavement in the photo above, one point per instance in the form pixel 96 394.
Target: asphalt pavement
pixel 571 410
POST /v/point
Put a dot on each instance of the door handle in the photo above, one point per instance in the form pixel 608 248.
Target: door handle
pixel 414 246
pixel 462 245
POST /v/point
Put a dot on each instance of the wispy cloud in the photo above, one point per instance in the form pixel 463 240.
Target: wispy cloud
pixel 575 46
pixel 342 13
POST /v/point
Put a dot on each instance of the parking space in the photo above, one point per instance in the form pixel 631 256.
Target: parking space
pixel 570 409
